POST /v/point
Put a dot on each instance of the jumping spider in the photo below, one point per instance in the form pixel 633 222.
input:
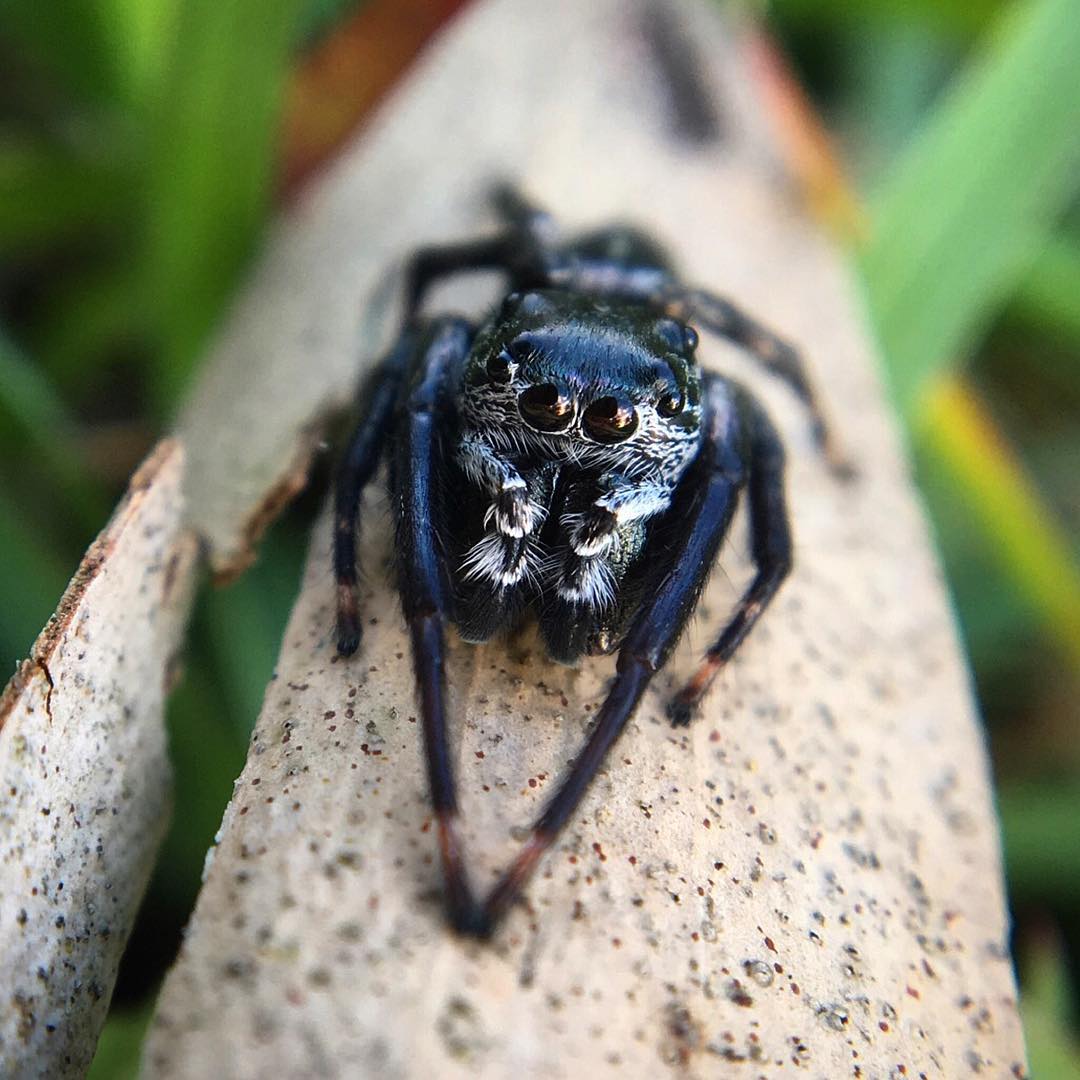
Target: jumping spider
pixel 567 455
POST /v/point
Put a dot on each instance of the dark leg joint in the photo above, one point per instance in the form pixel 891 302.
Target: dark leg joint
pixel 462 911
pixel 509 886
pixel 348 618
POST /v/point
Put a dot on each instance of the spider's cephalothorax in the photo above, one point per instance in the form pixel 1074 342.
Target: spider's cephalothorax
pixel 567 456
pixel 578 418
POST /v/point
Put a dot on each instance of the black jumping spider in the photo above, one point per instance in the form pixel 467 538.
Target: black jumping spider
pixel 569 456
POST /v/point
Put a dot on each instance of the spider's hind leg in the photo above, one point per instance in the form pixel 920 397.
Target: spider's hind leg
pixel 521 215
pixel 777 356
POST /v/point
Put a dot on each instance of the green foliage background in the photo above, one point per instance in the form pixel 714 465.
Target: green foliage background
pixel 139 145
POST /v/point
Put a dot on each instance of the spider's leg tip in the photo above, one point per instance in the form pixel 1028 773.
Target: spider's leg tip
pixel 680 712
pixel 348 640
pixel 470 921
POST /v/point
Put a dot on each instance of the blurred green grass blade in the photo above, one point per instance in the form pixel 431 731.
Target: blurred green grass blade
pixel 207 754
pixel 1030 545
pixel 319 17
pixel 941 16
pixel 137 35
pixel 245 621
pixel 32 579
pixel 32 412
pixel 48 194
pixel 963 212
pixel 1041 830
pixel 1049 296
pixel 119 1048
pixel 1047 1006
pixel 88 316
pixel 66 38
pixel 27 396
pixel 215 123
pixel 894 73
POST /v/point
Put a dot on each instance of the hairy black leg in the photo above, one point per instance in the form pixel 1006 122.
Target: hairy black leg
pixel 701 514
pixel 428 265
pixel 355 471
pixel 771 549
pixel 440 350
pixel 523 216
pixel 777 356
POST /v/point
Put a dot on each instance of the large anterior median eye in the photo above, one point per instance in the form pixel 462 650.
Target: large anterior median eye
pixel 610 419
pixel 547 407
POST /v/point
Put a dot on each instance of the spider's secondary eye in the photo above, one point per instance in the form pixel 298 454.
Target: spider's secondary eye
pixel 520 350
pixel 671 333
pixel 690 338
pixel 670 404
pixel 498 367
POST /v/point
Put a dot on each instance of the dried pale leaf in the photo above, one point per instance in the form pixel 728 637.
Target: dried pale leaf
pixel 809 876
pixel 86 778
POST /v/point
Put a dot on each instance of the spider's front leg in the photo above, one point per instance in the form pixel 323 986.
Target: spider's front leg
pixel 619 501
pixel 514 508
pixel 420 370
pixel 771 549
pixel 681 556
pixel 421 521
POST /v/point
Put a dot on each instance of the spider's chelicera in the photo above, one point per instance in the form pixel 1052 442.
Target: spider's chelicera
pixel 567 456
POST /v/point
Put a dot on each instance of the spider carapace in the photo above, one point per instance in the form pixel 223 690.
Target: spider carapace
pixel 567 456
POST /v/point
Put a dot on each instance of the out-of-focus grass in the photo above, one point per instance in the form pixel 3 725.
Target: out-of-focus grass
pixel 118 1051
pixel 968 218
pixel 212 125
pixel 1047 296
pixel 139 145
pixel 970 457
pixel 975 196
pixel 1047 1009
pixel 960 220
